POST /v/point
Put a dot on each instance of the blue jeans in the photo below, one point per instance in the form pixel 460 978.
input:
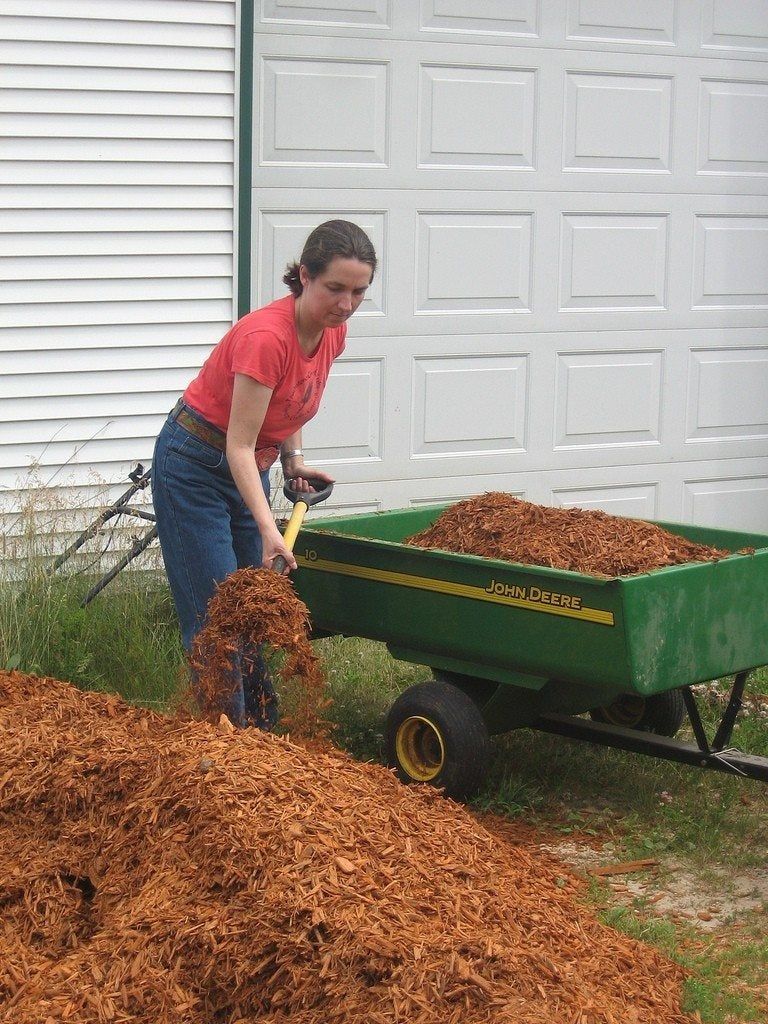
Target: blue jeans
pixel 206 532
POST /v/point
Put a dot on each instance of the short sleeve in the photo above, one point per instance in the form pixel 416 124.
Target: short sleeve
pixel 261 355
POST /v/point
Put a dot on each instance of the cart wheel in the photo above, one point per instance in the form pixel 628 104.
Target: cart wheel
pixel 661 713
pixel 436 734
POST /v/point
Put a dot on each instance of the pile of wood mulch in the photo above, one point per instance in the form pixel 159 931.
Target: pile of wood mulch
pixel 497 525
pixel 169 872
pixel 255 608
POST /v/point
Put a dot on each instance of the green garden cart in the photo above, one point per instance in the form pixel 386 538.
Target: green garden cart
pixel 512 645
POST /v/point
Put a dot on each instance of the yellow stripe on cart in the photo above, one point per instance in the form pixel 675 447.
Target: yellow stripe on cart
pixel 534 599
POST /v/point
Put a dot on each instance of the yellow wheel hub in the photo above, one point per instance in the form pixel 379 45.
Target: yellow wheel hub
pixel 626 711
pixel 420 749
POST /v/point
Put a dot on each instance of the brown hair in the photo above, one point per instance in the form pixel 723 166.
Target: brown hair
pixel 334 238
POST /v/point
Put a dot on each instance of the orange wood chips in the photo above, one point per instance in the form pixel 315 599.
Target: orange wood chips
pixel 497 525
pixel 167 872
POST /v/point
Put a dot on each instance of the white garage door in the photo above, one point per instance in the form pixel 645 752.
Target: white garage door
pixel 569 201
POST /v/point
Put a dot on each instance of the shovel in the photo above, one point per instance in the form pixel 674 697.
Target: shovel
pixel 301 502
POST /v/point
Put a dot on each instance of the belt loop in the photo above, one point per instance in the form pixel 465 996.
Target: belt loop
pixel 177 409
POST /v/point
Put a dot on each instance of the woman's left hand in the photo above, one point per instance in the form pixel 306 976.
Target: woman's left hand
pixel 302 477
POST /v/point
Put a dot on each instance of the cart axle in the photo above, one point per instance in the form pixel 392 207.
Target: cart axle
pixel 730 761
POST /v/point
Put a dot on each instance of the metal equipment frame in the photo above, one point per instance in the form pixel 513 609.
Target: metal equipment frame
pixel 140 479
pixel 716 755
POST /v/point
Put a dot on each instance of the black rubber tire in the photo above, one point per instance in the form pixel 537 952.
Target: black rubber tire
pixel 660 713
pixel 436 726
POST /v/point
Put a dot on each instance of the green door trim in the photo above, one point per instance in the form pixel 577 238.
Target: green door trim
pixel 244 157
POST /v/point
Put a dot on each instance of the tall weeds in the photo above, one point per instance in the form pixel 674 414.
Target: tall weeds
pixel 124 641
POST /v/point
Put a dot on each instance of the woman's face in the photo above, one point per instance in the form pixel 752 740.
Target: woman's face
pixel 333 296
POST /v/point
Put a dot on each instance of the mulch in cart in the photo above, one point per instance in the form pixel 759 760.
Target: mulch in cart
pixel 155 870
pixel 498 525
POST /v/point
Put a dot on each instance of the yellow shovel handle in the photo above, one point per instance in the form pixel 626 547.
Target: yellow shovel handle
pixel 294 523
pixel 291 532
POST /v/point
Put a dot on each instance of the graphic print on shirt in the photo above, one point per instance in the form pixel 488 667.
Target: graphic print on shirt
pixel 304 398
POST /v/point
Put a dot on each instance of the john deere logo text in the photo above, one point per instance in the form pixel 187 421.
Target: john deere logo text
pixel 535 594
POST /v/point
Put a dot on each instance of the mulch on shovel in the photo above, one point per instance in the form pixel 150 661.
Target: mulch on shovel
pixel 497 525
pixel 251 608
pixel 166 872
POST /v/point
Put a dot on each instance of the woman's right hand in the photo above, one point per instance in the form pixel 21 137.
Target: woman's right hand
pixel 274 545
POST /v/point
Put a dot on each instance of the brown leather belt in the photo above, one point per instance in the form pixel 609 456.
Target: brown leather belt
pixel 216 438
pixel 199 427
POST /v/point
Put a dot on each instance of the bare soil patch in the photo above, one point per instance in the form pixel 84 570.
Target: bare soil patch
pixel 667 887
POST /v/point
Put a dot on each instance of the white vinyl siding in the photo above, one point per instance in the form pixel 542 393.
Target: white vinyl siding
pixel 116 225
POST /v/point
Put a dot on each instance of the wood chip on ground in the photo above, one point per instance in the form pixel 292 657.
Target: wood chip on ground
pixel 498 525
pixel 160 871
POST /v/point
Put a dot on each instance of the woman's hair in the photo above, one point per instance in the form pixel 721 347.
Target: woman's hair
pixel 334 238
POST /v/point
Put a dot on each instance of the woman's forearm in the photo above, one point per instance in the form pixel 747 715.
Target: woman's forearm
pixel 246 475
pixel 292 464
pixel 250 401
pixel 291 443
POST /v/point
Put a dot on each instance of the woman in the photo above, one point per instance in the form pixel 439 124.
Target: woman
pixel 210 471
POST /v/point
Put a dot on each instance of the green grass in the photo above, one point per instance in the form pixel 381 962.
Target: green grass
pixel 363 681
pixel 726 980
pixel 126 641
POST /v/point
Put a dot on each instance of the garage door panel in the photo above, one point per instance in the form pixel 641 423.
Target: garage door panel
pixel 662 26
pixel 629 411
pixel 636 500
pixel 613 262
pixel 425 116
pixel 451 132
pixel 730 262
pixel 623 21
pixel 468 405
pixel 473 262
pixel 618 122
pixel 715 374
pixel 677 493
pixel 517 18
pixel 733 119
pixel 729 26
pixel 341 14
pixel 484 262
pixel 349 104
pixel 742 502
pixel 356 390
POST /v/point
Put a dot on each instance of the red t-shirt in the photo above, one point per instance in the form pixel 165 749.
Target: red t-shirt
pixel 264 345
